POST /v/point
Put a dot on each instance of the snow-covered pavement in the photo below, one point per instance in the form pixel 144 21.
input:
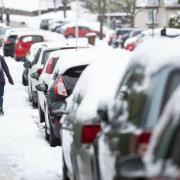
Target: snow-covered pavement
pixel 24 153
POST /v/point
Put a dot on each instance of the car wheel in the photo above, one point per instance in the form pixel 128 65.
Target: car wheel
pixel 41 114
pixel 29 94
pixel 24 81
pixel 64 171
pixel 46 133
pixel 53 141
pixel 34 104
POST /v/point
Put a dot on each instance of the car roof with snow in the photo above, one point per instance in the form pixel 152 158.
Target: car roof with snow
pixel 98 82
pixel 156 53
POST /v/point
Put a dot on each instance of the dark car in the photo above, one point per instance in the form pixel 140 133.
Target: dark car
pixel 150 80
pixel 161 160
pixel 9 46
pixel 119 32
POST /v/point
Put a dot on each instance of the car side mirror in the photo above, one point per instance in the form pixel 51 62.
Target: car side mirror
pixel 57 112
pixel 132 167
pixel 27 64
pixel 42 87
pixel 35 75
pixel 102 112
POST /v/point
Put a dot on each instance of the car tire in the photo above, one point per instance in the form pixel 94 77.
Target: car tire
pixel 64 171
pixel 46 133
pixel 34 104
pixel 24 81
pixel 53 140
pixel 29 94
pixel 41 114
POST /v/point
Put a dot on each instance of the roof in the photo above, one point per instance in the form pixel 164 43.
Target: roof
pixel 156 53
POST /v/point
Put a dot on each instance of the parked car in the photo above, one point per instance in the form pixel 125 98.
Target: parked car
pixel 24 43
pixel 29 58
pixel 132 43
pixel 66 73
pixel 44 24
pixel 142 94
pixel 161 161
pixel 82 31
pixel 119 32
pixel 10 38
pixel 18 43
pixel 36 66
pixel 81 125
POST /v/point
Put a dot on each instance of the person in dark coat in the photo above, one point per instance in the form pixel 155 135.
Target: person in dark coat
pixel 163 32
pixel 3 70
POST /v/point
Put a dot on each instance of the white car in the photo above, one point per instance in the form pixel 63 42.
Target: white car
pixel 70 65
pixel 47 78
pixel 81 125
pixel 37 66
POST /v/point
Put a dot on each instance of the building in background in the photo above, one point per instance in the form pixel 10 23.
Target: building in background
pixel 156 13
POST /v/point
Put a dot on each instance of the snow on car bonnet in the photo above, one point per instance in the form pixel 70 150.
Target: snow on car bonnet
pixel 156 53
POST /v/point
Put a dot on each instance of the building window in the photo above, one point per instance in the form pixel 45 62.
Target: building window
pixel 152 16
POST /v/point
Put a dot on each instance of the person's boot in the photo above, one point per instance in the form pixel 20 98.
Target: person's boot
pixel 1 111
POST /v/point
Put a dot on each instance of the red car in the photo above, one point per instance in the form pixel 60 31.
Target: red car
pixel 23 45
pixel 82 31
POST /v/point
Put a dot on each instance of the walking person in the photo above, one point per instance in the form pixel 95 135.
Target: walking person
pixel 3 70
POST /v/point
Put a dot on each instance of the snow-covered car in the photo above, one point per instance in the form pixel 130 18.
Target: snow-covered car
pixel 29 58
pixel 161 161
pixel 81 124
pixel 66 73
pixel 150 80
pixel 18 42
pixel 46 77
pixel 131 43
pixel 36 67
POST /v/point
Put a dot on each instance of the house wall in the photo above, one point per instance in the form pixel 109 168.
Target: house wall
pixel 141 19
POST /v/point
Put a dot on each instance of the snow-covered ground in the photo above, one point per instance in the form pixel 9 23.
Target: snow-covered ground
pixel 24 153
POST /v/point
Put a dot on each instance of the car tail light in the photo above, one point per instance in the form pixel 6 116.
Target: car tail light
pixel 89 133
pixel 59 88
pixel 39 71
pixel 49 67
pixel 139 143
pixel 143 142
pixel 130 47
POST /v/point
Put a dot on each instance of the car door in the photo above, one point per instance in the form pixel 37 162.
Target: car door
pixel 67 134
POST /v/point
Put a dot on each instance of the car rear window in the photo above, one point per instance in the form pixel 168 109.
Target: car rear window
pixel 32 38
pixel 71 77
pixel 46 55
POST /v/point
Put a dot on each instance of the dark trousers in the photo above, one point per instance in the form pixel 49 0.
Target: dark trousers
pixel 1 93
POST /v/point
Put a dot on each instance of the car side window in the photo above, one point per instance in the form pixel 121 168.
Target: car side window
pixel 164 140
pixel 174 147
pixel 172 83
pixel 132 95
pixel 37 57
